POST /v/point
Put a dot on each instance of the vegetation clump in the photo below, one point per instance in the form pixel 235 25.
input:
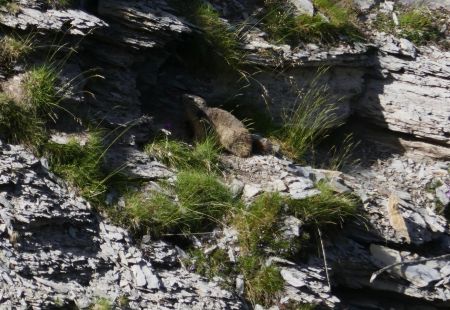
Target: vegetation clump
pixel 195 203
pixel 415 24
pixel 59 4
pixel 202 156
pixel 19 124
pixel 327 208
pixel 26 116
pixel 102 304
pixel 40 89
pixel 260 236
pixel 262 283
pixel 335 21
pixel 218 37
pixel 10 5
pixel 216 264
pixel 12 48
pixel 308 120
pixel 80 165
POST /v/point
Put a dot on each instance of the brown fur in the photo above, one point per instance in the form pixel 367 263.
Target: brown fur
pixel 232 133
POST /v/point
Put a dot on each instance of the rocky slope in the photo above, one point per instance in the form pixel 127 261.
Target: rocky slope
pixel 58 252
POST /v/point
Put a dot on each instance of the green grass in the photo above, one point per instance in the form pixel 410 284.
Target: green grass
pixel 258 227
pixel 263 283
pixel 212 265
pixel 327 208
pixel 418 26
pixel 203 156
pixel 20 125
pixel 260 236
pixel 307 122
pixel 80 165
pixel 218 45
pixel 415 24
pixel 12 48
pixel 283 26
pixel 41 92
pixel 201 204
pixel 102 304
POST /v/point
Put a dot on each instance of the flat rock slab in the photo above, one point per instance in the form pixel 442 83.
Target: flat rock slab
pixel 75 22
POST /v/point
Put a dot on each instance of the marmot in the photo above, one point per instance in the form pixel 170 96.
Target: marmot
pixel 232 133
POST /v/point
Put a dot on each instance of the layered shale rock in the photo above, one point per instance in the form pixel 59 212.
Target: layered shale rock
pixel 55 250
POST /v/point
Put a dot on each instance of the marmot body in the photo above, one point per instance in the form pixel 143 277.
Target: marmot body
pixel 232 133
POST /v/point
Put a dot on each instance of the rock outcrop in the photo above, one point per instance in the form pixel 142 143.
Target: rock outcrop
pixel 56 251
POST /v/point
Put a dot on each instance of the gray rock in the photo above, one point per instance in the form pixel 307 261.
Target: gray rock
pixel 160 253
pixel 74 21
pixel 251 190
pixel 339 186
pixel 135 164
pixel 292 227
pixel 365 5
pixel 56 245
pixel 433 4
pixel 240 285
pixel 443 194
pixel 303 6
pixel 421 275
pixel 237 187
pixel 293 278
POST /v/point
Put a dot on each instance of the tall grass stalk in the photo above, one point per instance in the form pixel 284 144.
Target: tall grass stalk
pixel 309 119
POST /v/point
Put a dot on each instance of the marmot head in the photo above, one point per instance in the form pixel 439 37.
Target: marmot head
pixel 192 100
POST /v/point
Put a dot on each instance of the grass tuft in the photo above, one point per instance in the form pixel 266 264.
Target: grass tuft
pixel 327 208
pixel 215 264
pixel 257 224
pixel 19 124
pixel 60 4
pixel 308 120
pixel 201 203
pixel 41 92
pixel 260 236
pixel 80 165
pixel 11 5
pixel 262 283
pixel 339 21
pixel 102 304
pixel 12 48
pixel 415 24
pixel 219 44
pixel 203 156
